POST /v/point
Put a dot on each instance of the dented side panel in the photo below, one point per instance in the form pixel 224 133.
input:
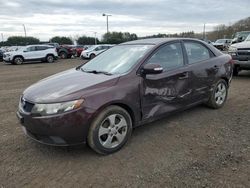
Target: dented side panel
pixel 164 93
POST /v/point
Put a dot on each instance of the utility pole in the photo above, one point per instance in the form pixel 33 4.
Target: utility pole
pixel 95 38
pixel 204 32
pixel 107 16
pixel 2 36
pixel 24 31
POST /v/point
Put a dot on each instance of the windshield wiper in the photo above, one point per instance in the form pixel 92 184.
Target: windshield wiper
pixel 96 72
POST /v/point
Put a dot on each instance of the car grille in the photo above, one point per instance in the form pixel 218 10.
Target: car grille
pixel 244 53
pixel 25 105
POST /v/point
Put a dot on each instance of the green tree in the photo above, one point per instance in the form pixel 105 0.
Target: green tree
pixel 61 40
pixel 118 37
pixel 21 41
pixel 84 40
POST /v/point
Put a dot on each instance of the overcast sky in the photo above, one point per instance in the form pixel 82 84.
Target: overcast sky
pixel 46 18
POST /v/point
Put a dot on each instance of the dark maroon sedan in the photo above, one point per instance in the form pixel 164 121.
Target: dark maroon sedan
pixel 130 84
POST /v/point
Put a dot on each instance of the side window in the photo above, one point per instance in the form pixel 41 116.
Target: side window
pixel 196 52
pixel 169 56
pixel 31 49
pixel 98 48
pixel 40 48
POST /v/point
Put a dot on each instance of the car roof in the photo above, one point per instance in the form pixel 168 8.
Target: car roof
pixel 39 45
pixel 156 41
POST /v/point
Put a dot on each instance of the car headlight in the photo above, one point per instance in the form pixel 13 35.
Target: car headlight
pixel 232 49
pixel 56 108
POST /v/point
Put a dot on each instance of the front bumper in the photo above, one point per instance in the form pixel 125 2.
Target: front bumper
pixel 243 61
pixel 60 130
pixel 7 59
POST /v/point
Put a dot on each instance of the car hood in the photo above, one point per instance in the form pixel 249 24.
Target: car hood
pixel 67 85
pixel 218 43
pixel 86 51
pixel 245 44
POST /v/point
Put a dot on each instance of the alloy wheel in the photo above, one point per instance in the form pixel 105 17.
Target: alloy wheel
pixel 220 93
pixel 112 131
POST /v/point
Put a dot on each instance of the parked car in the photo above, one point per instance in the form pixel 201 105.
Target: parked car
pixel 240 53
pixel 94 50
pixel 1 55
pixel 64 51
pixel 131 84
pixel 79 49
pixel 240 36
pixel 31 53
pixel 222 44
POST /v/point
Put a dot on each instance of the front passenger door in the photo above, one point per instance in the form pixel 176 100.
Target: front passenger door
pixel 30 53
pixel 169 90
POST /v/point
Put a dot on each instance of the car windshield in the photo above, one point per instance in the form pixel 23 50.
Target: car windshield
pixel 220 41
pixel 248 38
pixel 117 60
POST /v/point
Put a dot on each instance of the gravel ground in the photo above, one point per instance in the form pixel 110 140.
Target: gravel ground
pixel 199 147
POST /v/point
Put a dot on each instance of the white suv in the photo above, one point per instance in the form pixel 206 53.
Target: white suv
pixel 95 50
pixel 31 53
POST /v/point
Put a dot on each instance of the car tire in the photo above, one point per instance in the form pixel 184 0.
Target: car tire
pixel 18 60
pixel 92 56
pixel 50 58
pixel 110 130
pixel 63 55
pixel 219 94
pixel 236 71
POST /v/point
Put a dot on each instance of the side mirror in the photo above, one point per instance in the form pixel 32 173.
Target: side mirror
pixel 240 39
pixel 152 69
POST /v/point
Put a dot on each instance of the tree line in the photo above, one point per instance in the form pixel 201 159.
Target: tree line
pixel 108 38
pixel 220 31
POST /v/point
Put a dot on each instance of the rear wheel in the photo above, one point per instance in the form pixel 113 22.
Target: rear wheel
pixel 50 58
pixel 219 95
pixel 18 60
pixel 236 70
pixel 110 130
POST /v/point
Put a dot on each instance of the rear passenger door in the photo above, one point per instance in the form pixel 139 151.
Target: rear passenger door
pixel 41 52
pixel 203 69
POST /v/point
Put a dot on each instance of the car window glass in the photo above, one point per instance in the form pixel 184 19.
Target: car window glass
pixel 196 52
pixel 39 48
pixel 98 48
pixel 169 56
pixel 30 49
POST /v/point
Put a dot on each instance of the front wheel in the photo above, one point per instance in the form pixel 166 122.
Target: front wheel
pixel 110 130
pixel 18 60
pixel 63 55
pixel 92 56
pixel 219 95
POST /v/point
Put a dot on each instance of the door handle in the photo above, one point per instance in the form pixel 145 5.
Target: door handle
pixel 183 76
